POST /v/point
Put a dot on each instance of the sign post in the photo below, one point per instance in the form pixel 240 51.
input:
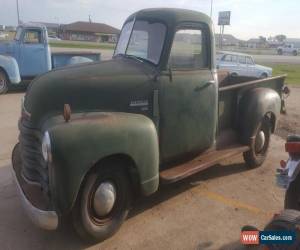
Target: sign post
pixel 224 19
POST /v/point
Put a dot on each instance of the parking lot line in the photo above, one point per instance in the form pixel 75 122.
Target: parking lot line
pixel 232 202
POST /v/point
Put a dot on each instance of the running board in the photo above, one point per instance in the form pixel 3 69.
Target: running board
pixel 199 163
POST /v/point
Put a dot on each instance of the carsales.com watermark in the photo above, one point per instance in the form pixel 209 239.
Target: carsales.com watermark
pixel 268 237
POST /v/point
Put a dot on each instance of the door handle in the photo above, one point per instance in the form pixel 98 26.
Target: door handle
pixel 199 88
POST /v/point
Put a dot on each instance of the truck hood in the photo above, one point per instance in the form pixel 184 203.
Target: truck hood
pixel 7 47
pixel 113 85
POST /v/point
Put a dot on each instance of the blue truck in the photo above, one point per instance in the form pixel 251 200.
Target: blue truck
pixel 29 55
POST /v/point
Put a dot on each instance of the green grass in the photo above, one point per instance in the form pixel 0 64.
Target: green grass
pixel 292 71
pixel 81 45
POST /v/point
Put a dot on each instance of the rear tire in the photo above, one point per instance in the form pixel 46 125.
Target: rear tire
pixel 279 52
pixel 260 145
pixel 3 82
pixel 295 53
pixel 285 221
pixel 91 226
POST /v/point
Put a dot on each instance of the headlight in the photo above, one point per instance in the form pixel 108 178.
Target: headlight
pixel 46 147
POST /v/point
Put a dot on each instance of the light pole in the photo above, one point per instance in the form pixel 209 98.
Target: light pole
pixel 211 8
pixel 18 12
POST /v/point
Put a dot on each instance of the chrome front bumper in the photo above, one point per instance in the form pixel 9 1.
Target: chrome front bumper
pixel 44 219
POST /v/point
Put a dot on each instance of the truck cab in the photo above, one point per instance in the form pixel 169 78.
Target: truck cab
pixel 29 55
pixel 95 136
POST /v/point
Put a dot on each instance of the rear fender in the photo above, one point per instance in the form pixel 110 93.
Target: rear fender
pixel 253 106
pixel 10 66
pixel 78 145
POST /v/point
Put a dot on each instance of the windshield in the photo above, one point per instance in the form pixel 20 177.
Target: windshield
pixel 142 39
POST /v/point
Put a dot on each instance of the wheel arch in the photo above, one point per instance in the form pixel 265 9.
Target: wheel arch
pixel 254 105
pixel 128 164
pixel 10 66
pixel 83 144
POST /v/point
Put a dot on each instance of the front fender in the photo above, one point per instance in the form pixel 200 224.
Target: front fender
pixel 79 144
pixel 253 106
pixel 10 66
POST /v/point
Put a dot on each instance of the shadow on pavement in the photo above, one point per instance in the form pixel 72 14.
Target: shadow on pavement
pixel 17 231
pixel 166 192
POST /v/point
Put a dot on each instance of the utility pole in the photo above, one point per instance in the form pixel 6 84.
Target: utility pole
pixel 18 12
pixel 211 8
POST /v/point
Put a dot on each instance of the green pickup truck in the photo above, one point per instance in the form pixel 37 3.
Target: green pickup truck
pixel 96 136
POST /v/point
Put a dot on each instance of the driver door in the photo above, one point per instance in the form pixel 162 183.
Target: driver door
pixel 33 53
pixel 188 97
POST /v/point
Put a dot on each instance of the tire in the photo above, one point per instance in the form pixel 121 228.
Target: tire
pixel 91 226
pixel 279 52
pixel 285 221
pixel 263 75
pixel 292 195
pixel 234 74
pixel 3 82
pixel 295 53
pixel 258 151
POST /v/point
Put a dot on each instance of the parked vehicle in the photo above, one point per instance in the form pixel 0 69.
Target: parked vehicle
pixel 53 38
pixel 93 137
pixel 239 64
pixel 288 175
pixel 288 49
pixel 29 55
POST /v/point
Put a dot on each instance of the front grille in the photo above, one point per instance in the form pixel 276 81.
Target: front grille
pixel 34 168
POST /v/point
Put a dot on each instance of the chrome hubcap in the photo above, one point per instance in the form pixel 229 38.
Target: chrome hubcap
pixel 104 199
pixel 260 141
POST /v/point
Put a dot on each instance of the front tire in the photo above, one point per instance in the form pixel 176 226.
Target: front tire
pixel 263 76
pixel 259 145
pixel 3 82
pixel 103 204
pixel 295 53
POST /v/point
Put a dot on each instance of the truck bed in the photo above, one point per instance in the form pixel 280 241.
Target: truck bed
pixel 61 59
pixel 230 90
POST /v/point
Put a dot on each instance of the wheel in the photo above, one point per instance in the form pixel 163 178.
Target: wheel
pixel 263 75
pixel 295 53
pixel 3 82
pixel 102 204
pixel 279 52
pixel 285 221
pixel 260 145
pixel 234 74
pixel 292 195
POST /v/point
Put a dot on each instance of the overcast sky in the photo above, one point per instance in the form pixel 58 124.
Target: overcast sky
pixel 250 18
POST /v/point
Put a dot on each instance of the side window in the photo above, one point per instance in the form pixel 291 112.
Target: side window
pixel 242 59
pixel 33 36
pixel 189 50
pixel 249 60
pixel 230 58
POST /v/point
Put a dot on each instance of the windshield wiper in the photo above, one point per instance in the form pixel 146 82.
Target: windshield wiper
pixel 137 58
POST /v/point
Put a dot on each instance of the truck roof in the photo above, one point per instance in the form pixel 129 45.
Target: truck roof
pixel 172 16
pixel 33 25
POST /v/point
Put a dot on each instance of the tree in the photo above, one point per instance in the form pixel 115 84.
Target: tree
pixel 262 39
pixel 280 38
